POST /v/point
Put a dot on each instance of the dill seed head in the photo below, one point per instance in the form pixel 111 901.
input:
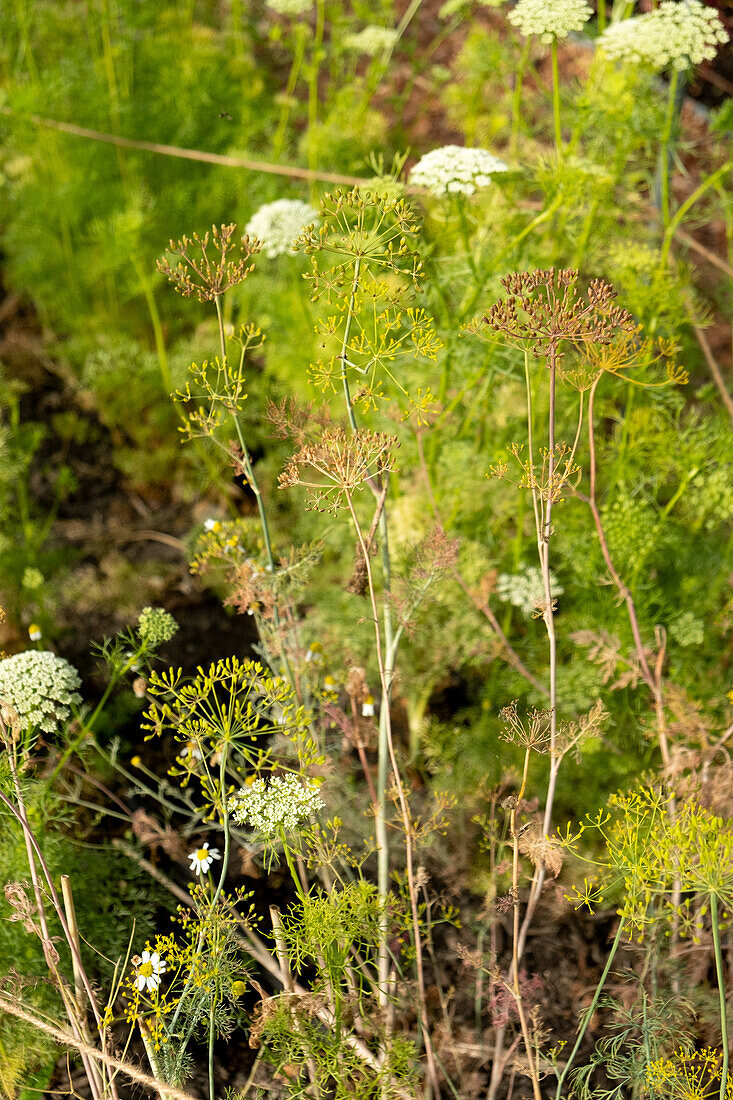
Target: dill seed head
pixel 203 274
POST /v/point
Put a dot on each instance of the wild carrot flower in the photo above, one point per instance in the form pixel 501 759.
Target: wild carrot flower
pixel 677 34
pixel 277 224
pixel 454 169
pixel 41 687
pixel 202 859
pixel 548 19
pixel 281 804
pixel 156 626
pixel 149 970
pixel 290 7
pixel 525 589
pixel 372 41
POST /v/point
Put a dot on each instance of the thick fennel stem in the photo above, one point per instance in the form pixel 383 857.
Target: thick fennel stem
pixel 720 974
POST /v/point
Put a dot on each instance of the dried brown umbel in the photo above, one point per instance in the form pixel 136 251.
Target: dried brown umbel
pixel 544 308
pixel 209 276
pixel 531 732
pixel 343 463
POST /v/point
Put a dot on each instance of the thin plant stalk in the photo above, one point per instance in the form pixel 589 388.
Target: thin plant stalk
pixel 681 213
pixel 404 809
pixel 515 932
pixel 591 1008
pixel 313 92
pixel 556 98
pixel 720 974
pixel 517 95
pixel 665 148
pixel 301 36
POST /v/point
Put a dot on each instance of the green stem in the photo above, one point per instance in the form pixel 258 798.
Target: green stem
pixel 313 94
pixel 88 725
pixel 556 99
pixel 211 1052
pixel 664 151
pixel 301 35
pixel 517 95
pixel 591 1009
pixel 721 995
pixel 686 206
pixel 220 886
pixel 601 16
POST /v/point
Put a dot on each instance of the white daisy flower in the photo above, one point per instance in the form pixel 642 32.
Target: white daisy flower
pixel 34 632
pixel 212 524
pixel 315 653
pixel 367 707
pixel 202 859
pixel 149 971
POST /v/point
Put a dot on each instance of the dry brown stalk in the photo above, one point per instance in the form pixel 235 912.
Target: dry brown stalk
pixel 87 1050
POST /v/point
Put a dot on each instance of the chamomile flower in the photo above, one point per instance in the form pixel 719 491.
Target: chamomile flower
pixel 315 654
pixel 367 707
pixel 212 524
pixel 149 971
pixel 34 632
pixel 202 859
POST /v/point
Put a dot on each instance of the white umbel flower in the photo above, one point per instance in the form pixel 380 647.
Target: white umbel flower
pixel 41 687
pixel 278 223
pixel 290 7
pixel 526 589
pixel 372 40
pixel 282 804
pixel 202 859
pixel 454 169
pixel 149 971
pixel 548 19
pixel 680 33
